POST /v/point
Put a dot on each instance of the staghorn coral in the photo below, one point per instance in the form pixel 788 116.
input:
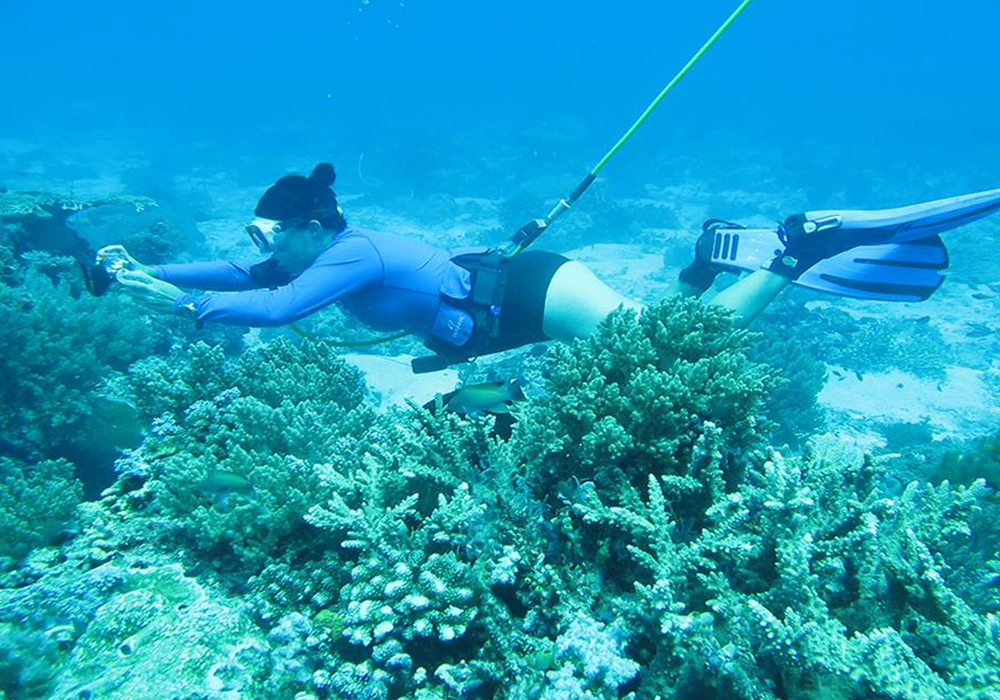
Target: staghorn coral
pixel 413 595
pixel 596 650
pixel 807 581
pixel 792 407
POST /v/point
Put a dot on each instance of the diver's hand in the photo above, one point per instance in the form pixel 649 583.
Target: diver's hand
pixel 130 263
pixel 147 290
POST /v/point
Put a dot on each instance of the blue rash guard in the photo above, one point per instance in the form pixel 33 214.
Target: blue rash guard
pixel 387 282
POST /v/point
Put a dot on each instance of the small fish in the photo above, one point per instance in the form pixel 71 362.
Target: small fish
pixel 573 490
pixel 858 375
pixel 541 660
pixel 900 385
pixel 837 373
pixel 221 484
pixel 494 397
pixel 922 320
pixel 982 295
pixel 223 480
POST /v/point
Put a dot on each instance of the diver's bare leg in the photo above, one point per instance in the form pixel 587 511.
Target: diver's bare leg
pixel 751 295
pixel 577 300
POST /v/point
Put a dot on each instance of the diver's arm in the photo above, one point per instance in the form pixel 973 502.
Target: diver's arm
pixel 215 276
pixel 341 269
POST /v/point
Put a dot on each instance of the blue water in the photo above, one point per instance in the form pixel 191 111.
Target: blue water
pixel 210 83
pixel 220 545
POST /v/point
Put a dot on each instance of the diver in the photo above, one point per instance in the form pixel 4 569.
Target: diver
pixel 470 302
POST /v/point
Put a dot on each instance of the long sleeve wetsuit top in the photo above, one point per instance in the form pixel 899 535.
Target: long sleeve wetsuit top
pixel 385 281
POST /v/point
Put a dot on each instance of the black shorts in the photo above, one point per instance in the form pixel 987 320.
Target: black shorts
pixel 528 277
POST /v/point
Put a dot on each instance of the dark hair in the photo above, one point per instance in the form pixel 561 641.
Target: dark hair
pixel 295 197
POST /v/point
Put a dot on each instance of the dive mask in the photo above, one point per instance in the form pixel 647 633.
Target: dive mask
pixel 261 232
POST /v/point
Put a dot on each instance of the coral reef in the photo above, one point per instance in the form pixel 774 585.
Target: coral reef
pixel 981 460
pixel 792 406
pixel 635 398
pixel 57 351
pixel 807 581
pixel 36 500
pixel 73 226
pixel 42 220
pixel 866 345
pixel 636 537
pixel 155 634
pixel 61 345
pixel 230 463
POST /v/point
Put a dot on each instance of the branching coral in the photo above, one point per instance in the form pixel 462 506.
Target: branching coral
pixel 808 580
pixel 35 501
pixel 236 470
pixel 634 537
pixel 413 595
pixel 57 351
pixel 792 407
pixel 635 398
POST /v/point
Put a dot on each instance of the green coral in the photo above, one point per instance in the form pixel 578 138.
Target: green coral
pixel 634 537
pixel 36 501
pixel 869 344
pixel 406 524
pixel 792 407
pixel 981 460
pixel 805 580
pixel 57 351
pixel 231 464
pixel 636 397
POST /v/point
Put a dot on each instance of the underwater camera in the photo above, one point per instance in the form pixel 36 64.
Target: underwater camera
pixel 99 276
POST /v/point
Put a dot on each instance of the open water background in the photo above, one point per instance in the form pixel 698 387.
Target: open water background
pixel 842 90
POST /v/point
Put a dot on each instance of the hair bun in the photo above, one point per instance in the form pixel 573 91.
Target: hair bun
pixel 323 174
